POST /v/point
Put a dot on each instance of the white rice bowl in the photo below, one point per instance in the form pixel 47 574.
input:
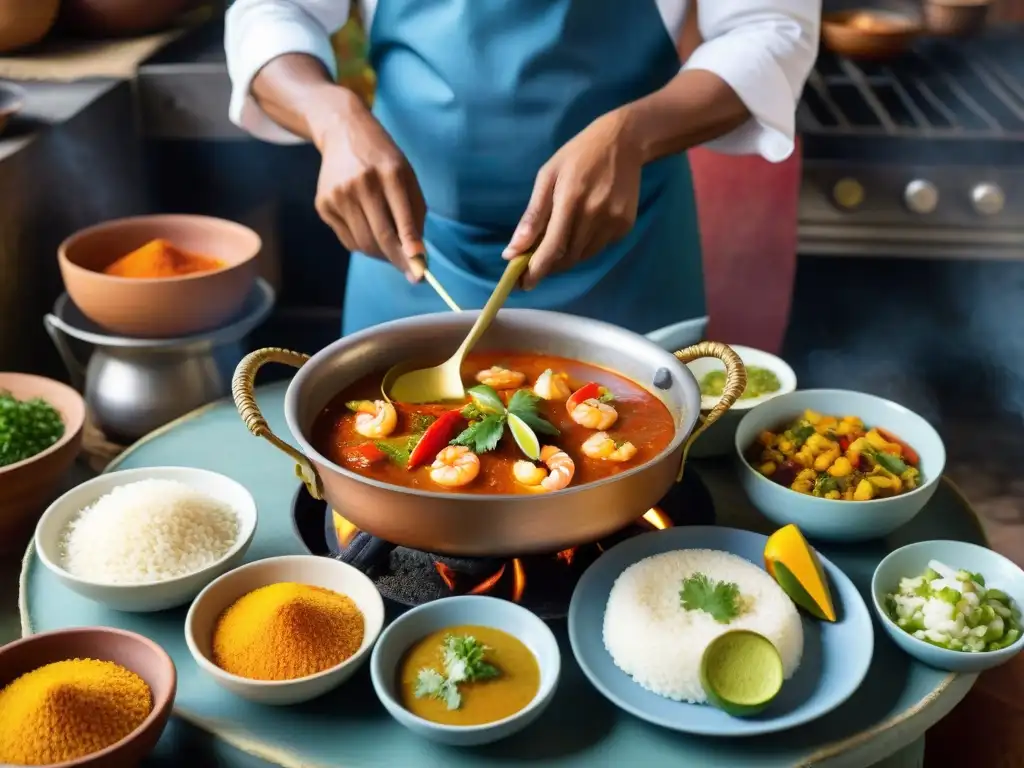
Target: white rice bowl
pixel 658 643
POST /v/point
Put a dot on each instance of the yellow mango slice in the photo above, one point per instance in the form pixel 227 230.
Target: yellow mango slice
pixel 794 564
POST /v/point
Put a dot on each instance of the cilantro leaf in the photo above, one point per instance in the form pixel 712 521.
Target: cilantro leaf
pixel 486 399
pixel 483 435
pixel 397 449
pixel 428 682
pixel 420 422
pixel 721 600
pixel 471 413
pixel 463 659
pixel 525 405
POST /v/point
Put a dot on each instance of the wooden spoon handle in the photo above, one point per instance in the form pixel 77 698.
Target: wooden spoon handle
pixel 508 281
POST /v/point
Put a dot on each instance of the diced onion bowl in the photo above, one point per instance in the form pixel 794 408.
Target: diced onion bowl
pixel 910 562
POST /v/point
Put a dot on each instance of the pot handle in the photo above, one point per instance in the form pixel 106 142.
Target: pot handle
pixel 242 390
pixel 735 383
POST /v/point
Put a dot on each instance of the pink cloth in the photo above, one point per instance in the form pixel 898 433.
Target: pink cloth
pixel 748 218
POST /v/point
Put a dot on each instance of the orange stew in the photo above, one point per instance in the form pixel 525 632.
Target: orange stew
pixel 582 424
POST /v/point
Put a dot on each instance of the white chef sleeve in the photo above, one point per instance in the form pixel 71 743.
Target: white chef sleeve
pixel 258 31
pixel 764 50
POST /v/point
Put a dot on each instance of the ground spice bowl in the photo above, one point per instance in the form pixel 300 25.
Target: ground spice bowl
pixel 301 569
pixel 160 308
pixel 131 651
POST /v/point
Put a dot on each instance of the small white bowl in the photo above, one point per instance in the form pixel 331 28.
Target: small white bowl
pixel 717 440
pixel 911 561
pixel 301 569
pixel 414 625
pixel 151 596
pixel 835 519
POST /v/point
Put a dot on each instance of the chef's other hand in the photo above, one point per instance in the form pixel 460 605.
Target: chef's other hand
pixel 584 198
pixel 367 191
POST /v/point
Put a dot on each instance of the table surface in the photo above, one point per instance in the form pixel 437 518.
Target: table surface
pixel 992 710
pixel 728 499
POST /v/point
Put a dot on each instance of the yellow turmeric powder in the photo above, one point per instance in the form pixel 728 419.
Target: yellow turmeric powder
pixel 286 631
pixel 70 709
pixel 161 258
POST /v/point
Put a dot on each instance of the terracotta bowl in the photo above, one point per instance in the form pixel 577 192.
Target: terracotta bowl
pixel 133 652
pixel 869 34
pixel 12 100
pixel 160 307
pixel 26 488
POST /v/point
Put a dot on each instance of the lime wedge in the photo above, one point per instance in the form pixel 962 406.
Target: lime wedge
pixel 741 672
pixel 525 437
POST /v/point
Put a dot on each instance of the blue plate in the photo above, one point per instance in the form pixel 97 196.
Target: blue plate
pixel 835 659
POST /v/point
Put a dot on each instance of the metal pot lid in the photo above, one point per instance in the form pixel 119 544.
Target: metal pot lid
pixel 69 319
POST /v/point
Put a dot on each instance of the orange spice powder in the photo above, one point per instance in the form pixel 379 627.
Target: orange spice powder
pixel 160 258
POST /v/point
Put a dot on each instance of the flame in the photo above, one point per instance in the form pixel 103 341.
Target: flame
pixel 657 519
pixel 344 530
pixel 566 555
pixel 488 584
pixel 447 575
pixel 519 580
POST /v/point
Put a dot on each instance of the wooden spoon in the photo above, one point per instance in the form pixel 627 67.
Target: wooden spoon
pixel 444 382
pixel 434 283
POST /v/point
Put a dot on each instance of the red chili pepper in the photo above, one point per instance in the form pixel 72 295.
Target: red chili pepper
pixel 437 436
pixel 844 443
pixel 364 455
pixel 586 392
pixel 908 453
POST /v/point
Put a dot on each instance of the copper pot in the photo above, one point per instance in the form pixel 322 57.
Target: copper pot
pixel 487 525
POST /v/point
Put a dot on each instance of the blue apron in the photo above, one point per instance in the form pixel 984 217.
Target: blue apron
pixel 479 94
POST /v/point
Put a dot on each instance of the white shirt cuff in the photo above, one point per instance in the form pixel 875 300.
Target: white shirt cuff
pixel 253 38
pixel 763 87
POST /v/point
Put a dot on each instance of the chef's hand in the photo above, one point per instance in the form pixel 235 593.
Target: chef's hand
pixel 584 198
pixel 367 192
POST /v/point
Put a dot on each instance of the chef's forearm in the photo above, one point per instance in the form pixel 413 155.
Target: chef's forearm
pixel 297 92
pixel 695 107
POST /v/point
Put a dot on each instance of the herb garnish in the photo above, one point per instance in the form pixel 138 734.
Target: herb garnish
pixel 488 417
pixel 719 599
pixel 887 461
pixel 463 660
pixel 398 449
pixel 27 427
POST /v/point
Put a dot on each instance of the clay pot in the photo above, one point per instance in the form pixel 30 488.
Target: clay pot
pixel 28 486
pixel 120 18
pixel 160 308
pixel 25 22
pixel 127 649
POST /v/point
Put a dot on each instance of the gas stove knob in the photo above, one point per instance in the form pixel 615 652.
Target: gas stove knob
pixel 848 193
pixel 921 196
pixel 988 199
